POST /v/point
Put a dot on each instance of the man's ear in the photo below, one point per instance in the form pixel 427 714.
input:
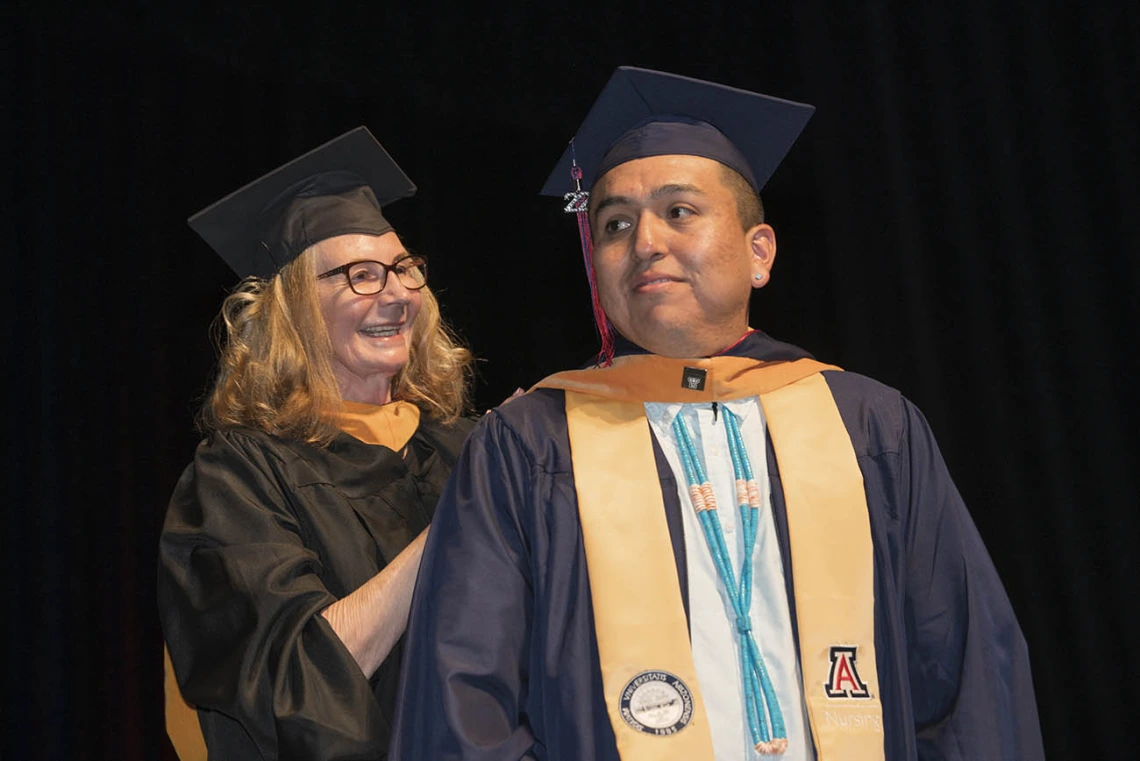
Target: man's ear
pixel 762 241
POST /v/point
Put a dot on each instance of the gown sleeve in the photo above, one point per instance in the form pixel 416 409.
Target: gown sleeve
pixel 463 688
pixel 967 659
pixel 240 595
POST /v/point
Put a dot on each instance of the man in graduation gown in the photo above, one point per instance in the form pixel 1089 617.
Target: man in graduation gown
pixel 706 544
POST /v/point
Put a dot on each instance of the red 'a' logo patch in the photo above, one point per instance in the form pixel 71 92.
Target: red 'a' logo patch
pixel 843 679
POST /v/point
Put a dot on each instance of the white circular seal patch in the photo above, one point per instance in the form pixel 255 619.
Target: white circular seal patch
pixel 656 703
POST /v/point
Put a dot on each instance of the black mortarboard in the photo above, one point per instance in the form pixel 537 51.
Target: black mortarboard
pixel 335 189
pixel 644 113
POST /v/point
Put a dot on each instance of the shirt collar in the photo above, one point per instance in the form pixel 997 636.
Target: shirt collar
pixel 663 413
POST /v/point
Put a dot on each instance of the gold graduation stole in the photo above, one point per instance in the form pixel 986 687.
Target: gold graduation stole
pixel 390 425
pixel 650 683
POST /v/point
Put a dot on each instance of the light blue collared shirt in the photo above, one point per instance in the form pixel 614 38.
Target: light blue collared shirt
pixel 712 623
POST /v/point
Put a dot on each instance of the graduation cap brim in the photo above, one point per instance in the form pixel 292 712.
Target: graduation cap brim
pixel 231 226
pixel 761 127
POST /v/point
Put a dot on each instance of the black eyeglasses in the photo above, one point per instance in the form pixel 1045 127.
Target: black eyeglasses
pixel 368 278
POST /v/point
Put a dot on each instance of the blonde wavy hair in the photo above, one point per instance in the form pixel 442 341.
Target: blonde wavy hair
pixel 275 365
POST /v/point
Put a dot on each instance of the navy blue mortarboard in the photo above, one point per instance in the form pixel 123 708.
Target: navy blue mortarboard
pixel 643 113
pixel 336 189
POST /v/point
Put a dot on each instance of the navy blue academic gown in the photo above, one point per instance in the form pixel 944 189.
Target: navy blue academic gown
pixel 502 661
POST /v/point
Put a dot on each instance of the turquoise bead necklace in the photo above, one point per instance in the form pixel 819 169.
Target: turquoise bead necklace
pixel 761 707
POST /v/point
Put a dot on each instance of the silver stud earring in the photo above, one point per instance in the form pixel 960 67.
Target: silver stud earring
pixel 759 277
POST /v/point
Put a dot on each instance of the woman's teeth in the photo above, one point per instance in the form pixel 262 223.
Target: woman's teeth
pixel 381 331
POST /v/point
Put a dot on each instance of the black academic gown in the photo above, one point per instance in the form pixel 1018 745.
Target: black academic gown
pixel 262 534
pixel 502 661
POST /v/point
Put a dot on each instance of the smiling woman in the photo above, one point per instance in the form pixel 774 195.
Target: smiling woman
pixel 292 542
pixel 298 337
pixel 369 315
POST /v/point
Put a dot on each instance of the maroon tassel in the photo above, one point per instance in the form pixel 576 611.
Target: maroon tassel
pixel 578 206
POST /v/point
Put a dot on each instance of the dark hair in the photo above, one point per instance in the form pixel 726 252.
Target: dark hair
pixel 749 207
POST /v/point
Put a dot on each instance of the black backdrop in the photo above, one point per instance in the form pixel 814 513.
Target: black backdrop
pixel 958 220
